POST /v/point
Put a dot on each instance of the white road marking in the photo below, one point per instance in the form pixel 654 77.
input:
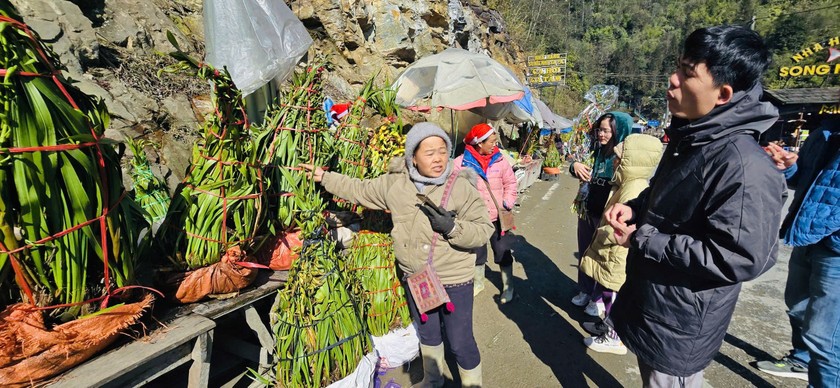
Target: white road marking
pixel 550 191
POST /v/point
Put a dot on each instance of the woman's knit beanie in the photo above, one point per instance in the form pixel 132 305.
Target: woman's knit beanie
pixel 417 134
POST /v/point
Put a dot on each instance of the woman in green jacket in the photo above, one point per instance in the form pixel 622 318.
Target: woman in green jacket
pixel 604 261
pixel 463 226
pixel 610 129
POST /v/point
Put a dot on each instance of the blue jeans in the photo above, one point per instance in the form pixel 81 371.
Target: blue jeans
pixel 812 295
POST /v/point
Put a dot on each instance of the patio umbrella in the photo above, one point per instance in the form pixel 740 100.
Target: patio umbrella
pixel 456 79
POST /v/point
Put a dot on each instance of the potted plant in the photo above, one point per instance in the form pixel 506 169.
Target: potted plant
pixel 551 165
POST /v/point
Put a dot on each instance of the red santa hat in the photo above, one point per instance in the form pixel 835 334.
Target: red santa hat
pixel 339 110
pixel 478 134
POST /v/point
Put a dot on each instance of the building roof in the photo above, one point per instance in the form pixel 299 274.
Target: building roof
pixel 804 96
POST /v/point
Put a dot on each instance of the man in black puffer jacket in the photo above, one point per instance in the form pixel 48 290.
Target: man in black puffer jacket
pixel 710 217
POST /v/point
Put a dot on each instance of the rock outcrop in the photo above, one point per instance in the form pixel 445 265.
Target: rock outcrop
pixel 115 48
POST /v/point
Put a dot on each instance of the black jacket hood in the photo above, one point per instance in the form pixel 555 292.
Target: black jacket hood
pixel 746 112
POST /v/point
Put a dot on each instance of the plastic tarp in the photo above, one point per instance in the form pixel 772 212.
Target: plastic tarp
pixel 362 377
pixel 526 103
pixel 257 40
pixel 550 119
pixel 456 79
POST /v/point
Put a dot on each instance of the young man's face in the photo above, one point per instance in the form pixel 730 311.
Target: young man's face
pixel 692 93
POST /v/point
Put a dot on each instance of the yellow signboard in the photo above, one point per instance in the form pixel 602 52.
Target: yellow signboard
pixel 798 71
pixel 815 48
pixel 546 56
pixel 546 70
pixel 819 69
pixel 830 110
pixel 547 62
pixel 547 79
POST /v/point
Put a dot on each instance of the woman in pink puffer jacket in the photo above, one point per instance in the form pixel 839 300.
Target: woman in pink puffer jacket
pixel 482 155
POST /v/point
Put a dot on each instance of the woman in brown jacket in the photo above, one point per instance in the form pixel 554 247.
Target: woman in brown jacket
pixel 463 226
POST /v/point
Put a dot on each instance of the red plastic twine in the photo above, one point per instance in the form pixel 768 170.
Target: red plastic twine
pixel 54 75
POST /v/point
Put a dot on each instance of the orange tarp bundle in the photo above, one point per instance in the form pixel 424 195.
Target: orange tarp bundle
pixel 280 251
pixel 231 274
pixel 30 352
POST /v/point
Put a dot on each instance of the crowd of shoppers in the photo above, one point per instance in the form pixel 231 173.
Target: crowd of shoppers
pixel 665 237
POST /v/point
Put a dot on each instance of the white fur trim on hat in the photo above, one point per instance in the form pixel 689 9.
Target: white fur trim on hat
pixel 483 138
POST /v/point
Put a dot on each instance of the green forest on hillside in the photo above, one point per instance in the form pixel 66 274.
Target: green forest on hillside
pixel 635 43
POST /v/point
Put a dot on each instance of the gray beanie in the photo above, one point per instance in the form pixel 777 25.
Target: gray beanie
pixel 417 134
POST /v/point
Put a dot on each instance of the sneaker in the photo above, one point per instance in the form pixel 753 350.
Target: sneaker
pixel 581 299
pixel 604 344
pixel 507 296
pixel 595 309
pixel 596 328
pixel 784 368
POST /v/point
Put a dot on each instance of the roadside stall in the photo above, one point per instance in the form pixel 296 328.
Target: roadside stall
pixel 462 81
pixel 800 110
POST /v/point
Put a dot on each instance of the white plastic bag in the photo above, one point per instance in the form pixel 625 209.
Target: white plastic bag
pixel 258 40
pixel 362 377
pixel 397 347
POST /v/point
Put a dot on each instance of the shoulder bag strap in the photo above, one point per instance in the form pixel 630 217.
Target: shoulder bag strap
pixel 446 192
pixel 493 197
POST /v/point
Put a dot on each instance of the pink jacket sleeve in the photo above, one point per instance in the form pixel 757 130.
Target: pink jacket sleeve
pixel 509 181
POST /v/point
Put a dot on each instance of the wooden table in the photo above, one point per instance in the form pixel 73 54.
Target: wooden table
pixel 265 286
pixel 185 339
pixel 186 335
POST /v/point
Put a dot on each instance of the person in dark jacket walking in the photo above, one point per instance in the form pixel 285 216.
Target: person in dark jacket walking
pixel 710 217
pixel 812 227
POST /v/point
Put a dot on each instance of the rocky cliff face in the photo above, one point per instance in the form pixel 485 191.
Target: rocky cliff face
pixel 363 37
pixel 114 49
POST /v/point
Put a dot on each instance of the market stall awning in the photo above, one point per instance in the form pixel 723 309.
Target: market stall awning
pixel 804 96
pixel 793 101
pixel 518 111
pixel 550 119
pixel 456 79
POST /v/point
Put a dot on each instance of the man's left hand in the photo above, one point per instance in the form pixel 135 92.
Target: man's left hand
pixel 622 233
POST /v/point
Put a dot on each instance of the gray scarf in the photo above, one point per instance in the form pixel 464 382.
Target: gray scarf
pixel 421 181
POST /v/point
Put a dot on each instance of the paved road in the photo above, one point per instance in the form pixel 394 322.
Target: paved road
pixel 536 341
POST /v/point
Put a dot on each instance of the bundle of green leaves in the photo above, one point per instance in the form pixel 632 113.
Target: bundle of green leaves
pixel 220 204
pixel 63 209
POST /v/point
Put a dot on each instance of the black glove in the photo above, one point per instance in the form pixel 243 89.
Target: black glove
pixel 442 220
